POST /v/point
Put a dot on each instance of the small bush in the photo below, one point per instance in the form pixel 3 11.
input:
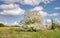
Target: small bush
pixel 53 26
pixel 2 25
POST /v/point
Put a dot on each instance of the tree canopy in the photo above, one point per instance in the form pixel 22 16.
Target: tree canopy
pixel 32 20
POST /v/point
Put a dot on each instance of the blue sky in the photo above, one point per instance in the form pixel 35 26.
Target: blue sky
pixel 12 11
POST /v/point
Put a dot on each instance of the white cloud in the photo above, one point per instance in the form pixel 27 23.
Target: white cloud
pixel 15 23
pixel 43 13
pixel 28 2
pixel 11 9
pixel 9 6
pixel 35 2
pixel 40 10
pixel 10 1
pixel 48 20
pixel 53 14
pixel 57 8
pixel 13 12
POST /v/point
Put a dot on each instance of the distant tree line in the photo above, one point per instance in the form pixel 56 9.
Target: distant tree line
pixel 2 25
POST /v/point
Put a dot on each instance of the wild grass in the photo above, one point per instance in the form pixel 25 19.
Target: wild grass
pixel 7 28
pixel 14 32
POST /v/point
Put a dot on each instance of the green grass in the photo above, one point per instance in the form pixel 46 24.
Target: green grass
pixel 14 33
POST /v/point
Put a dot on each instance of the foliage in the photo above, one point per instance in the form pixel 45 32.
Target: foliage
pixel 53 26
pixel 2 25
pixel 32 21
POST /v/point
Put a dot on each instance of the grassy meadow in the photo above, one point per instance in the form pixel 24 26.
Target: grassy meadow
pixel 14 32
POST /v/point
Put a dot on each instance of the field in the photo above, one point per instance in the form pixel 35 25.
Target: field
pixel 13 32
